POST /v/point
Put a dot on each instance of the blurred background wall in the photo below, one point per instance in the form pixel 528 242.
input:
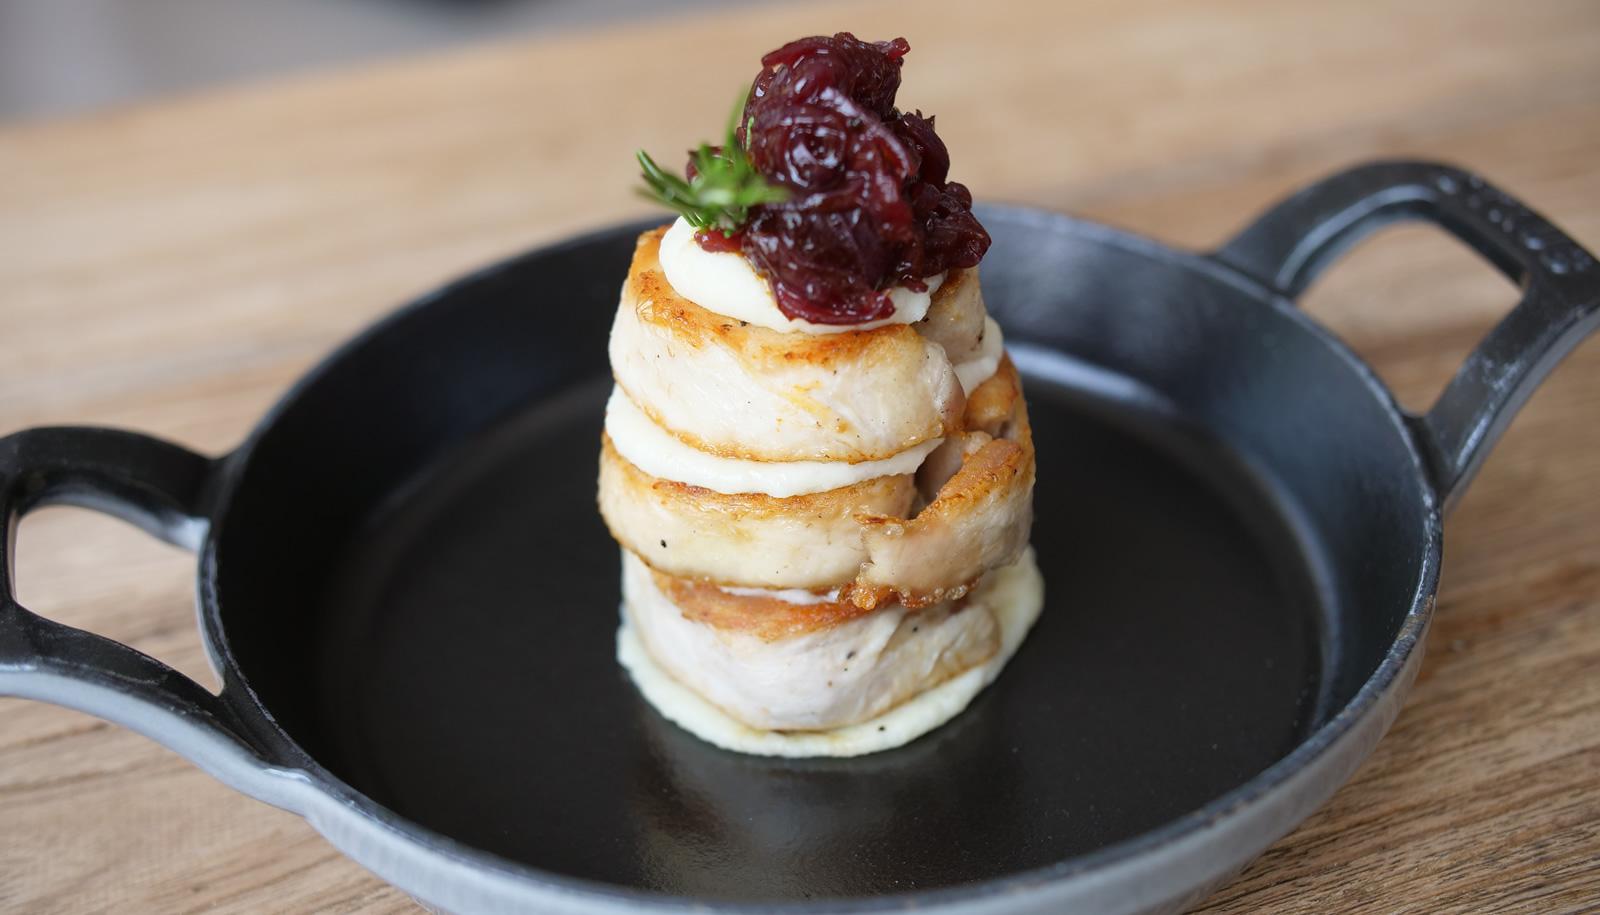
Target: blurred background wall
pixel 63 56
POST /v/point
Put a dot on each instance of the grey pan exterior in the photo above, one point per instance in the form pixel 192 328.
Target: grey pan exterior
pixel 169 491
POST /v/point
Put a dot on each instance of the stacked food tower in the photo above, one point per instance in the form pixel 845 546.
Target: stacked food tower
pixel 816 457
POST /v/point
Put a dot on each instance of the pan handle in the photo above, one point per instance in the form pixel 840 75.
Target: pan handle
pixel 1292 242
pixel 165 490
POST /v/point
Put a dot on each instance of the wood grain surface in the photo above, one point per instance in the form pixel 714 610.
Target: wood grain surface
pixel 172 267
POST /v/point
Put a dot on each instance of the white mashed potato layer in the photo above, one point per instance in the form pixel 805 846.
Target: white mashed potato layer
pixel 661 454
pixel 725 283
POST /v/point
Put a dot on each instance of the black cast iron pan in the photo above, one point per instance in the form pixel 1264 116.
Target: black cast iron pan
pixel 411 602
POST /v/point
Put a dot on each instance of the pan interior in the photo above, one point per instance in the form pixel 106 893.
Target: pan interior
pixel 465 678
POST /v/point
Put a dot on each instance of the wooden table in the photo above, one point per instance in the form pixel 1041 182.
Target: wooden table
pixel 172 267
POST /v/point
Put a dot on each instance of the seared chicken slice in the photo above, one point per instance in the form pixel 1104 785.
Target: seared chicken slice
pixel 758 394
pixel 802 677
pixel 955 318
pixel 868 538
pixel 752 539
pixel 979 518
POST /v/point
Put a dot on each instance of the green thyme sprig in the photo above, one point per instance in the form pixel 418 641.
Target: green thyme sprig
pixel 725 186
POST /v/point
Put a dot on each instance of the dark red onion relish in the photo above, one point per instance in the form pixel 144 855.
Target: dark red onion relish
pixel 869 206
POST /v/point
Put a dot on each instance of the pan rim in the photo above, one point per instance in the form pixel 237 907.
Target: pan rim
pixel 1053 884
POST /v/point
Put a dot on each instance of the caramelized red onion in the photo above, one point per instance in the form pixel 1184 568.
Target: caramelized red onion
pixel 869 204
